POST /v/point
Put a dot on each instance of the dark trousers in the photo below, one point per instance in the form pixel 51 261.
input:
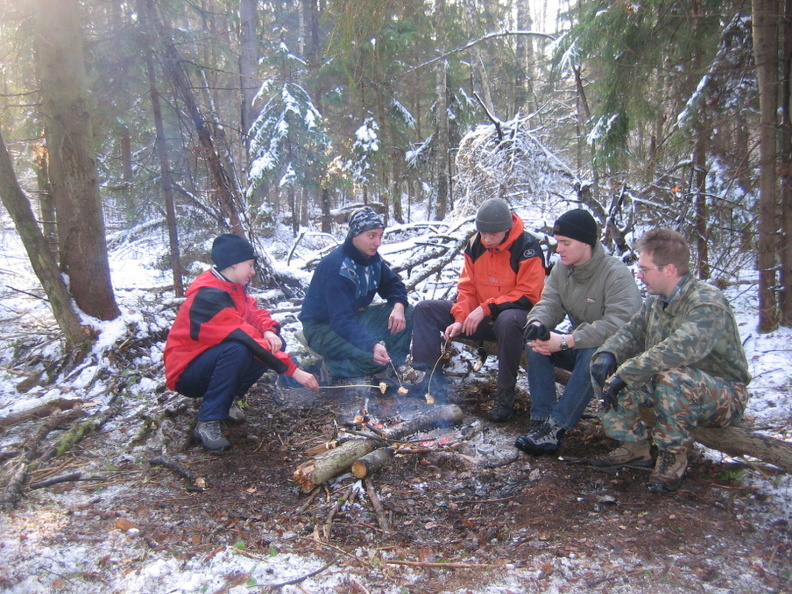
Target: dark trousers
pixel 219 375
pixel 432 317
pixel 344 359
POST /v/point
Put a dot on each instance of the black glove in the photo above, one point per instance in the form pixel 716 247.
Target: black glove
pixel 610 393
pixel 536 332
pixel 602 367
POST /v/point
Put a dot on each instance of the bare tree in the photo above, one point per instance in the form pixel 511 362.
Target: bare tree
pixel 41 258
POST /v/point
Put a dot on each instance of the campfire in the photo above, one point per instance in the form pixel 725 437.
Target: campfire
pixel 369 437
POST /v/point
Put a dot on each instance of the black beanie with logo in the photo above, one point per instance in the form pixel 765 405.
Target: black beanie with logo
pixel 577 224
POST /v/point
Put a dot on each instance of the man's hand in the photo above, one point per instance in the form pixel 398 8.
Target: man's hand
pixel 381 356
pixel 396 321
pixel 453 330
pixel 471 323
pixel 602 367
pixel 536 331
pixel 305 379
pixel 274 341
pixel 610 393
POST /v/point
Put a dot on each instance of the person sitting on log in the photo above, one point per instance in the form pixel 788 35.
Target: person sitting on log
pixel 221 343
pixel 355 338
pixel 680 356
pixel 502 277
pixel 598 294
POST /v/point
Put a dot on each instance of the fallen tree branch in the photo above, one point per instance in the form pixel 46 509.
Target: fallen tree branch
pixel 65 478
pixel 18 472
pixel 174 466
pixel 39 412
pixel 382 519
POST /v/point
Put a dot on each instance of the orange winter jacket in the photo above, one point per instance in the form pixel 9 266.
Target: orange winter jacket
pixel 509 276
pixel 217 310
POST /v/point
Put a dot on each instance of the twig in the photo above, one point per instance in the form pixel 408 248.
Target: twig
pixel 74 476
pixel 441 565
pixel 305 577
pixel 382 519
pixel 308 501
pixel 174 466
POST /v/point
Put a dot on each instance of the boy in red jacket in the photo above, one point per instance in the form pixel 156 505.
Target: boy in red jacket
pixel 221 342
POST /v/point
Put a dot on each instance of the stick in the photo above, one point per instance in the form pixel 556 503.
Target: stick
pixel 305 577
pixel 446 565
pixel 174 466
pixel 382 519
pixel 74 476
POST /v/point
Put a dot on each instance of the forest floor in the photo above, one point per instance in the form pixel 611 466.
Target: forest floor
pixel 473 515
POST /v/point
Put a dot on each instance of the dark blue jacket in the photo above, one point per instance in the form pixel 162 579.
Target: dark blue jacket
pixel 343 285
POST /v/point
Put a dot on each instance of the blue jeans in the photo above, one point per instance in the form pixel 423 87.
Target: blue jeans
pixel 567 410
pixel 219 375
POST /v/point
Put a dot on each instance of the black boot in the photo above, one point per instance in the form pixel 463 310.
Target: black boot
pixel 503 407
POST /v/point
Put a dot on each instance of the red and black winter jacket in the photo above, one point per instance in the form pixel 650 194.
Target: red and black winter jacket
pixel 217 310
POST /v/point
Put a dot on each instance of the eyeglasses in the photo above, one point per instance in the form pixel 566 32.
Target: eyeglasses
pixel 642 270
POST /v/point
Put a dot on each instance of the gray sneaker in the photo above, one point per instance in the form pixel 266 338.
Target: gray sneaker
pixel 210 436
pixel 235 414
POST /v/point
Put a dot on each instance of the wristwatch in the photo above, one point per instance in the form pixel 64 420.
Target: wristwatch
pixel 564 345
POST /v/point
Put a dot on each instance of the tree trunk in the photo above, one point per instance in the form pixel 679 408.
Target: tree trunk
pixel 786 167
pixel 72 160
pixel 162 154
pixel 525 59
pixel 41 258
pixel 248 65
pixel 765 35
pixel 700 201
pixel 443 141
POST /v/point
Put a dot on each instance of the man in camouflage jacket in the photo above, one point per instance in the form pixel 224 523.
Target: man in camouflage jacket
pixel 680 356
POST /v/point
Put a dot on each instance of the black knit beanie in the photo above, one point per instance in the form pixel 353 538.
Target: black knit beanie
pixel 577 224
pixel 229 249
pixel 364 220
pixel 493 216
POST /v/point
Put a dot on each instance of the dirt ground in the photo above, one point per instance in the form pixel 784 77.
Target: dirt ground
pixel 473 515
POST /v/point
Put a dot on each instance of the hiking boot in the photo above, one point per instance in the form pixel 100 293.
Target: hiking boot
pixel 668 471
pixel 210 436
pixel 627 454
pixel 542 441
pixel 411 375
pixel 235 414
pixel 503 407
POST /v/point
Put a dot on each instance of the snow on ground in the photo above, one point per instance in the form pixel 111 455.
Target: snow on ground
pixel 770 409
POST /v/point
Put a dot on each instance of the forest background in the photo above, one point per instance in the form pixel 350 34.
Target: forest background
pixel 210 116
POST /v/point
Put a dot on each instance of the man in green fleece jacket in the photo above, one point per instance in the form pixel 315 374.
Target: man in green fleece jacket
pixel 680 356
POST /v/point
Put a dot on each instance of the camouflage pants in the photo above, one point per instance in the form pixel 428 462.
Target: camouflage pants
pixel 681 398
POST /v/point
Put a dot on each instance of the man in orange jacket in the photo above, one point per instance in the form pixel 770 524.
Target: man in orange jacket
pixel 221 343
pixel 502 278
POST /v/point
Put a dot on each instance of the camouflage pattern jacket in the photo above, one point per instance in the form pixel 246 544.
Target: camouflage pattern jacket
pixel 696 328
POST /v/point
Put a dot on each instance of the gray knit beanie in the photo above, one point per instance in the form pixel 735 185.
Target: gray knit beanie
pixel 577 224
pixel 364 220
pixel 493 216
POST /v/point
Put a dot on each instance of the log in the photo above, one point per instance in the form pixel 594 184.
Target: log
pixel 441 416
pixel 326 465
pixel 372 462
pixel 737 441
